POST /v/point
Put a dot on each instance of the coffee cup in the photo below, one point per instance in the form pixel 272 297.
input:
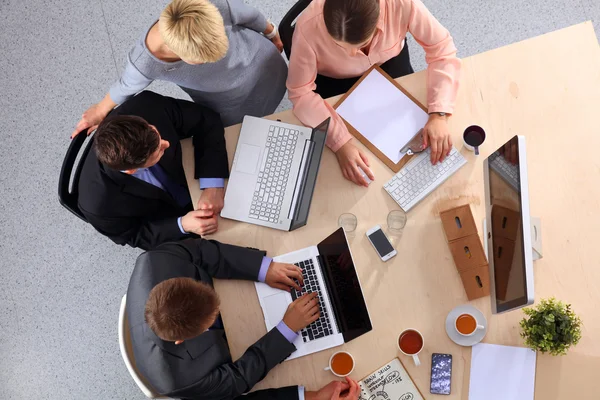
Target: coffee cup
pixel 473 137
pixel 410 343
pixel 466 324
pixel 341 364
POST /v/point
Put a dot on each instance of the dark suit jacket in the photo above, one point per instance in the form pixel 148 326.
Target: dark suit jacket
pixel 131 211
pixel 200 368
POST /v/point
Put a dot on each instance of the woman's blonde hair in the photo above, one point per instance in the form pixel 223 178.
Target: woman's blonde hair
pixel 194 30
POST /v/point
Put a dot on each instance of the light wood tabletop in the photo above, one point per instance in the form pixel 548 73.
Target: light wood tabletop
pixel 547 89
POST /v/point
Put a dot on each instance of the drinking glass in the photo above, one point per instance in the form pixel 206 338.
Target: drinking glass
pixel 396 220
pixel 348 222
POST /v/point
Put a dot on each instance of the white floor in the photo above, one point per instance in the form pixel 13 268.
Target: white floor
pixel 61 282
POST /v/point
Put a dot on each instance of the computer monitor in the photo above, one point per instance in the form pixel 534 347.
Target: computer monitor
pixel 508 227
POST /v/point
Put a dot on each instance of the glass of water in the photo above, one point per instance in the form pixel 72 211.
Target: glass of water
pixel 396 221
pixel 348 222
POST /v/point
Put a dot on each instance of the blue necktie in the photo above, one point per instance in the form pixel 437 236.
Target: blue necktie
pixel 178 192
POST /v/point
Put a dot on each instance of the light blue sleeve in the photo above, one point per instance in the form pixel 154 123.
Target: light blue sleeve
pixel 131 82
pixel 300 392
pixel 207 183
pixel 181 226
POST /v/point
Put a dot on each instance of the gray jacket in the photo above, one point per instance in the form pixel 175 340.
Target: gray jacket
pixel 249 80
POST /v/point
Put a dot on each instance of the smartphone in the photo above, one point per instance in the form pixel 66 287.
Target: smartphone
pixel 381 243
pixel 441 373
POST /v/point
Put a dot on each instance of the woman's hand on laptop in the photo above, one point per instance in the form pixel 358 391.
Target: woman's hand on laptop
pixel 281 276
pixel 336 390
pixel 302 312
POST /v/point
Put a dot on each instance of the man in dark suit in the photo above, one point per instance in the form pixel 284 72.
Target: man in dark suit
pixel 177 336
pixel 133 187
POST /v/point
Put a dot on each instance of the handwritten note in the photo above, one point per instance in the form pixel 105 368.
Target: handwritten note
pixel 390 382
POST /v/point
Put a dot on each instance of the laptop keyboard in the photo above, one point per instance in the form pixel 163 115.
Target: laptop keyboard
pixel 321 327
pixel 273 175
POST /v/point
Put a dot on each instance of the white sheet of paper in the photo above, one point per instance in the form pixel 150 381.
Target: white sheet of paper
pixel 502 372
pixel 383 114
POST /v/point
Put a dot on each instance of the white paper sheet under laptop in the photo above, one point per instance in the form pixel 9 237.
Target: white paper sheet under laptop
pixel 383 114
pixel 328 269
pixel 502 373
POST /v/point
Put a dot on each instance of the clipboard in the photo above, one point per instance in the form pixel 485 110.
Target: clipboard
pixel 378 153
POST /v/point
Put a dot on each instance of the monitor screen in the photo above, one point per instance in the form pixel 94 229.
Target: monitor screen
pixel 507 244
pixel 344 288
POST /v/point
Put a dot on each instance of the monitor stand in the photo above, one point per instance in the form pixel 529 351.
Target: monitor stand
pixel 536 238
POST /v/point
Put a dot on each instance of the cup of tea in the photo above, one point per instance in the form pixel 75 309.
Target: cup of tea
pixel 410 343
pixel 466 324
pixel 341 364
pixel 473 137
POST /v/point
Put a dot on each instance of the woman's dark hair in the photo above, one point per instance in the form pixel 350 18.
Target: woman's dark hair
pixel 351 21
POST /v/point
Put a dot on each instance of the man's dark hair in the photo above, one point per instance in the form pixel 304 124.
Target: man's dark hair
pixel 351 21
pixel 181 308
pixel 125 142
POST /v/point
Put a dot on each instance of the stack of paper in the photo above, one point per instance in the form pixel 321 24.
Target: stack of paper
pixel 502 373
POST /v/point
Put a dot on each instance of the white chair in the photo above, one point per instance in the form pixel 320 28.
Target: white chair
pixel 127 353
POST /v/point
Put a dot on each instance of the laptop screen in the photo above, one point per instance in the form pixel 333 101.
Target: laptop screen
pixel 344 289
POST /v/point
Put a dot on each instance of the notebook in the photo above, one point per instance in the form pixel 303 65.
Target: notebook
pixel 382 115
pixel 390 382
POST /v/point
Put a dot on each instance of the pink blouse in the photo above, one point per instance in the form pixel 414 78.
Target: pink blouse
pixel 314 51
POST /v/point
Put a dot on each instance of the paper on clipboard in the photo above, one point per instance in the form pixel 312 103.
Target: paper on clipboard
pixel 383 114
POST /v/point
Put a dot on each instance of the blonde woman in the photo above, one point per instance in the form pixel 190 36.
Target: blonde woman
pixel 223 53
pixel 336 41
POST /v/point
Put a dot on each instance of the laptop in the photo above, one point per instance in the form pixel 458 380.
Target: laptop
pixel 274 172
pixel 327 269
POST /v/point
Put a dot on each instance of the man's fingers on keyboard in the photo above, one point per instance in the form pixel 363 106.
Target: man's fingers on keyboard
pixel 290 283
pixel 314 317
pixel 301 277
pixel 295 273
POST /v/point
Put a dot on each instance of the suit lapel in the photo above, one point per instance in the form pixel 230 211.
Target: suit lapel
pixel 137 187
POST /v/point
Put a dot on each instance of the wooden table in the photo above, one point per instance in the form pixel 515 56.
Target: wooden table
pixel 546 88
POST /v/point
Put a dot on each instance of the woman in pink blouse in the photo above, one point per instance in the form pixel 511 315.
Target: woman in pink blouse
pixel 336 41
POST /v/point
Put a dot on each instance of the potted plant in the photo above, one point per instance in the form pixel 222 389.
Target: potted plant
pixel 551 327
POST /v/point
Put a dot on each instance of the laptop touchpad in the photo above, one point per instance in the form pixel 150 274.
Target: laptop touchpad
pixel 276 305
pixel 247 159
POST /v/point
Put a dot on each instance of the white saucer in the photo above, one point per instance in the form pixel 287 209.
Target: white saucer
pixel 457 337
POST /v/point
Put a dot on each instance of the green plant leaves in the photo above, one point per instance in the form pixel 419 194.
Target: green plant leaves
pixel 551 327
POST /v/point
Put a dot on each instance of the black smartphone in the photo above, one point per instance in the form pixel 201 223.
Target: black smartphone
pixel 441 373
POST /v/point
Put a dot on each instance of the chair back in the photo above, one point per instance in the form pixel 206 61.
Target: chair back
pixel 288 23
pixel 68 195
pixel 127 353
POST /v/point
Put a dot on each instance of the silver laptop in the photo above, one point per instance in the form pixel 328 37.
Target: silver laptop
pixel 327 269
pixel 274 173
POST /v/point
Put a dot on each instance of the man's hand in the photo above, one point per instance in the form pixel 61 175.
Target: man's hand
pixel 281 276
pixel 302 312
pixel 336 390
pixel 200 222
pixel 437 135
pixel 350 158
pixel 211 200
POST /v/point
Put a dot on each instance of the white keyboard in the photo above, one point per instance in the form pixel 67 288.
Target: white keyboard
pixel 509 172
pixel 419 177
pixel 273 175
